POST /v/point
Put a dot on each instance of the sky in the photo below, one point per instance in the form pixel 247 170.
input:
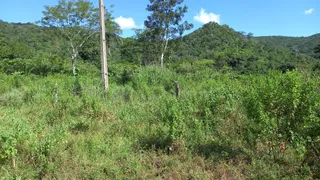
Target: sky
pixel 261 17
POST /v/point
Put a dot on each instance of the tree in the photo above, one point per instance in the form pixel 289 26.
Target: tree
pixel 164 22
pixel 249 35
pixel 148 47
pixel 76 20
pixel 21 50
pixel 113 30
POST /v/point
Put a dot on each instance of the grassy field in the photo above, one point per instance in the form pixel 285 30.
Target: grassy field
pixel 222 126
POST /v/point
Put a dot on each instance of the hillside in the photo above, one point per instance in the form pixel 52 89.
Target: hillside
pixel 229 47
pixel 27 39
pixel 305 45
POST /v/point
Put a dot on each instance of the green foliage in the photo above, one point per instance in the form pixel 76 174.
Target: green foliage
pixel 173 115
pixel 282 108
pixel 42 64
pixel 42 151
pixel 303 45
pixel 164 23
pixel 165 18
pixel 230 48
pixel 71 15
pixel 151 77
pixel 223 120
pixel 25 39
pixel 8 147
pixel 122 73
pixel 77 22
pixel 221 44
pixel 21 50
pixel 90 51
pixel 12 139
pixel 131 51
pixel 5 50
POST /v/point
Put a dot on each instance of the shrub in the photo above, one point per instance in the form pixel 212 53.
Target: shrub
pixel 281 107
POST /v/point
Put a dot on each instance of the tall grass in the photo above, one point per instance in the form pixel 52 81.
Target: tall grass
pixel 223 126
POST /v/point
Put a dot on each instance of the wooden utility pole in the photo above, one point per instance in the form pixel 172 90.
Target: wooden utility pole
pixel 104 69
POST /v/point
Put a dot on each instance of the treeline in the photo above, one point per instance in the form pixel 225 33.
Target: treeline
pixel 48 47
pixel 215 45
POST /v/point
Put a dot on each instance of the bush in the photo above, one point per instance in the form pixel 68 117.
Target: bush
pixel 281 107
pixel 122 73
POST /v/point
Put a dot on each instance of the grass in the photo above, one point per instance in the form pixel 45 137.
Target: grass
pixel 140 130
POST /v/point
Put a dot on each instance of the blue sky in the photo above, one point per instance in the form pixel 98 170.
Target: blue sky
pixel 261 17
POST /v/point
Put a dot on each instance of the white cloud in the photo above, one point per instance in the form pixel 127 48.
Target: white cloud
pixel 204 17
pixel 309 11
pixel 126 23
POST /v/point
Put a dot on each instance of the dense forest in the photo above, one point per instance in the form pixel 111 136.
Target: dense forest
pixel 213 104
pixel 301 45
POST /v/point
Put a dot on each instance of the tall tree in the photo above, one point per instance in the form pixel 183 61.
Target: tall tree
pixel 149 48
pixel 164 23
pixel 77 20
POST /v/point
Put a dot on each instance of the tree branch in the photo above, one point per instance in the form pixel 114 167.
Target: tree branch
pixel 86 39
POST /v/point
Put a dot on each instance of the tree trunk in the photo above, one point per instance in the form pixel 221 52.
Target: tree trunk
pixel 74 60
pixel 164 50
pixel 74 67
pixel 161 60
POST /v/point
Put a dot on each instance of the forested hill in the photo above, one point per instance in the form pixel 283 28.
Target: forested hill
pixel 304 45
pixel 24 40
pixel 241 52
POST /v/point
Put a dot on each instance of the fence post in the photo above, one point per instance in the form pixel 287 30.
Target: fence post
pixel 56 94
pixel 176 87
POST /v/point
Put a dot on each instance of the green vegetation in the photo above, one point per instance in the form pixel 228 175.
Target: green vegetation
pixel 242 53
pixel 164 23
pixel 246 109
pixel 223 125
pixel 303 45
